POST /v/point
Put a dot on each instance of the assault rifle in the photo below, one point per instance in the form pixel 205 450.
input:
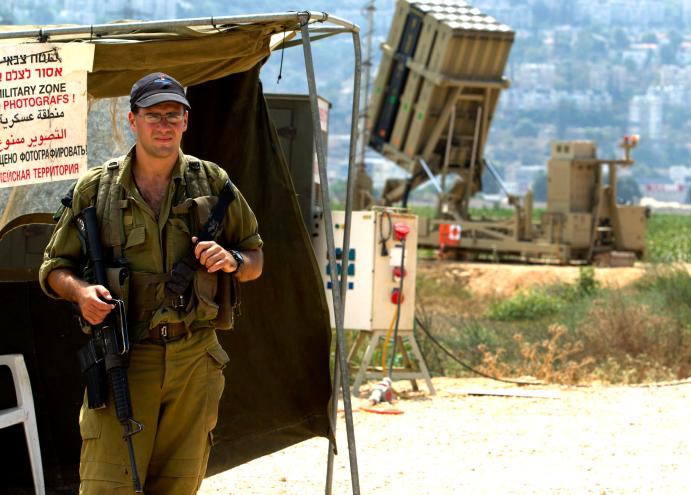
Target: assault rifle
pixel 106 356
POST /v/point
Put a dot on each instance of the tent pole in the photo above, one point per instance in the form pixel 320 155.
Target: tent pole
pixel 368 68
pixel 334 412
pixel 331 250
pixel 354 138
pixel 133 27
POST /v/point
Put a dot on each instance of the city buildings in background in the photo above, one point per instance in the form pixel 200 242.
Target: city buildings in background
pixel 596 70
pixel 579 69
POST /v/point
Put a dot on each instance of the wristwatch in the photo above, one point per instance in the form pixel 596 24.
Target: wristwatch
pixel 239 259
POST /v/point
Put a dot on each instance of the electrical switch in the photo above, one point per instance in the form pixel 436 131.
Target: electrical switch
pixel 399 272
pixel 401 231
pixel 396 294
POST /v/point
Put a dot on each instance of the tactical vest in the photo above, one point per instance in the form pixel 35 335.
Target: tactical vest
pixel 213 297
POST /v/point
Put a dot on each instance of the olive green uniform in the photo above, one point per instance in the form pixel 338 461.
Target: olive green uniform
pixel 175 384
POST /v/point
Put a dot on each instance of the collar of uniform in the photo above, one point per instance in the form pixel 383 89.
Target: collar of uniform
pixel 179 167
pixel 125 177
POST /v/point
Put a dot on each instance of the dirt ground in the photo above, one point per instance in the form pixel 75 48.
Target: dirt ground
pixel 613 440
pixel 487 279
pixel 594 440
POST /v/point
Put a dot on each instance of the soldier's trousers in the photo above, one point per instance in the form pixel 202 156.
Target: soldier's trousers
pixel 175 389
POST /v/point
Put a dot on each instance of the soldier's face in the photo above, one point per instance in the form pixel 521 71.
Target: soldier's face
pixel 159 128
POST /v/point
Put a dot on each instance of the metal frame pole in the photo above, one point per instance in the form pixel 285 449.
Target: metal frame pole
pixel 99 30
pixel 367 64
pixel 331 249
pixel 473 158
pixel 346 244
pixel 443 206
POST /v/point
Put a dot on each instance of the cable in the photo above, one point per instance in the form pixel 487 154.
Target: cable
pixel 399 300
pixel 382 239
pixel 466 366
pixel 386 339
pixel 391 410
pixel 283 49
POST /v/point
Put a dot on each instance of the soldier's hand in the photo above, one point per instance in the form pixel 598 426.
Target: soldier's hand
pixel 93 305
pixel 214 257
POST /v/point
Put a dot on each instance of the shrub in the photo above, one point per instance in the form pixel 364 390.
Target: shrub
pixel 587 285
pixel 549 360
pixel 621 330
pixel 564 333
pixel 671 284
pixel 525 306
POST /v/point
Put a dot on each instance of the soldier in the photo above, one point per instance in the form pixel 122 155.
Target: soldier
pixel 151 202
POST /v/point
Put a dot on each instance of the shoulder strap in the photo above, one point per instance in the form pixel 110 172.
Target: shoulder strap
pixel 196 178
pixel 109 203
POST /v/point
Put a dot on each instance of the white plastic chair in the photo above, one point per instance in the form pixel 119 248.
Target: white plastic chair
pixel 24 413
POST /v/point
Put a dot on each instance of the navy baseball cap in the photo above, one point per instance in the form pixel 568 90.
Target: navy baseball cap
pixel 157 88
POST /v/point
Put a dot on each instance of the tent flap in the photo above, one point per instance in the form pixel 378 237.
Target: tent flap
pixel 279 383
pixel 191 60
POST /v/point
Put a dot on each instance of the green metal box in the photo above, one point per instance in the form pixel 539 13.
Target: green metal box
pixel 292 117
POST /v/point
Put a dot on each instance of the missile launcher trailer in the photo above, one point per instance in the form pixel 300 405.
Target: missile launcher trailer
pixel 438 85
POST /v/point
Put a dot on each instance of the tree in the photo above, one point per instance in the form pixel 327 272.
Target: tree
pixel 688 195
pixel 628 190
pixel 539 187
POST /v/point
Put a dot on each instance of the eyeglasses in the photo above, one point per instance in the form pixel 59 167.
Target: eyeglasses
pixel 171 118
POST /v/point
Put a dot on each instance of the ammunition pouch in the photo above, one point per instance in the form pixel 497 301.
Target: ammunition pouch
pixel 145 295
pixel 204 290
pixel 214 298
pixel 228 299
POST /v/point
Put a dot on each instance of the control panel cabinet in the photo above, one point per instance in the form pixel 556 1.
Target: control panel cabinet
pixel 379 241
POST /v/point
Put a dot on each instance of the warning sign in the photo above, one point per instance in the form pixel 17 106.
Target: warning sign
pixel 43 111
pixel 449 234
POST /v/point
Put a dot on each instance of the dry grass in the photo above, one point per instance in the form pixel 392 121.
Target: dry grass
pixel 551 360
pixel 634 342
pixel 567 333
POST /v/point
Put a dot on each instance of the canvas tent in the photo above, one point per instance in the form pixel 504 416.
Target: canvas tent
pixel 278 386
